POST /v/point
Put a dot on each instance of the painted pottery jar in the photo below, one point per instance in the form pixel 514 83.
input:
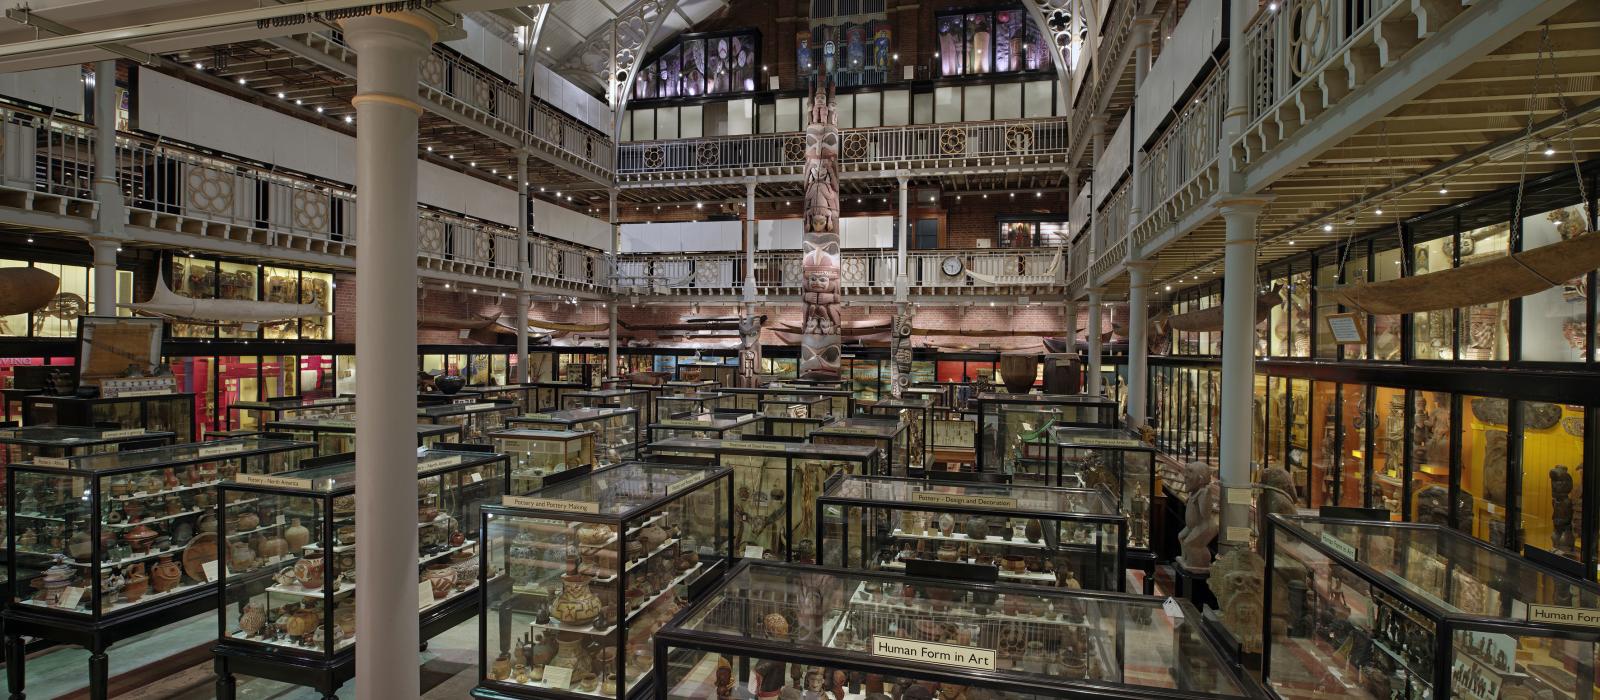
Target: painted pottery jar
pixel 137 584
pixel 577 605
pixel 300 623
pixel 296 535
pixel 948 552
pixel 241 557
pixel 308 570
pixel 273 547
pixel 570 653
pixel 442 579
pixel 247 521
pixel 947 525
pixel 139 538
pixel 164 576
pixel 652 537
pixel 251 620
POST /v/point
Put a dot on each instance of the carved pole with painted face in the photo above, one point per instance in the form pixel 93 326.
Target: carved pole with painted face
pixel 819 341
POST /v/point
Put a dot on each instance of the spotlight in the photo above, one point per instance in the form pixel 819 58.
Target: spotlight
pixel 319 109
pixel 280 95
pixel 241 81
pixel 472 164
pixel 349 119
pixel 299 101
pixel 199 66
pixel 1378 211
pixel 430 149
pixel 1272 7
pixel 1169 287
pixel 1549 151
pixel 1444 190
pixel 1327 227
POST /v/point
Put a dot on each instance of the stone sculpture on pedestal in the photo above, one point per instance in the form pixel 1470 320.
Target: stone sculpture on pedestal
pixel 1200 515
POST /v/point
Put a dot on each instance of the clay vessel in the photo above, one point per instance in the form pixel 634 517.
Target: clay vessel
pixel 251 620
pixel 273 547
pixel 977 528
pixel 139 538
pixel 442 578
pixel 164 576
pixel 137 584
pixel 247 521
pixel 308 570
pixel 1018 372
pixel 577 605
pixel 296 535
pixel 242 558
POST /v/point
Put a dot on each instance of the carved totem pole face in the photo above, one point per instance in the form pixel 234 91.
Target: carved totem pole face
pixel 820 341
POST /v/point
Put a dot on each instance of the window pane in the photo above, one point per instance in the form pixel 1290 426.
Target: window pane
pixel 1430 456
pixel 1432 331
pixel 1483 468
pixel 1352 447
pixel 1483 328
pixel 1389 457
pixel 1552 320
pixel 1552 479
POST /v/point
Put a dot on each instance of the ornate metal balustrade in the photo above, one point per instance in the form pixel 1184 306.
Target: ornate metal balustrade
pixel 862 272
pixel 1112 59
pixel 1010 142
pixel 1183 170
pixel 1110 230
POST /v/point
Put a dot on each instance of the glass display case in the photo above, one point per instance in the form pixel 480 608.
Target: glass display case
pixel 785 428
pixel 169 412
pixel 953 439
pixel 1014 429
pixel 637 399
pixel 722 374
pixel 338 435
pixel 536 454
pixel 439 398
pixel 289 548
pixel 693 387
pixel 673 405
pixel 771 630
pixel 591 567
pixel 475 419
pixel 1372 609
pixel 716 426
pixel 917 416
pixel 252 415
pixel 1073 538
pixel 796 405
pixel 841 403
pixel 889 435
pixel 1115 461
pixel 616 430
pixel 776 485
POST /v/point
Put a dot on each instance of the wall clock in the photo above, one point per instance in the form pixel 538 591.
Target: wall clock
pixel 951 266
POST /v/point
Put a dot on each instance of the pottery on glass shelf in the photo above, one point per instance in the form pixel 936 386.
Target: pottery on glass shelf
pixel 139 538
pixel 947 524
pixel 576 605
pixel 652 537
pixel 164 576
pixel 308 570
pixel 977 528
pixel 296 535
pixel 137 584
pixel 570 653
pixel 251 620
pixel 1033 530
pixel 247 521
pixel 948 552
pixel 241 557
pixel 449 384
pixel 272 547
pixel 442 579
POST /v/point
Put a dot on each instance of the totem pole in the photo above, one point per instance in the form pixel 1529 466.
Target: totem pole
pixel 819 340
pixel 900 352
pixel 749 347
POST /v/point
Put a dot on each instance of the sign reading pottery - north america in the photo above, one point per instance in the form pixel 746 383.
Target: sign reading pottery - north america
pixel 933 653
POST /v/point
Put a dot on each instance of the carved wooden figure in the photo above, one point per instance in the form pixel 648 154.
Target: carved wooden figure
pixel 819 342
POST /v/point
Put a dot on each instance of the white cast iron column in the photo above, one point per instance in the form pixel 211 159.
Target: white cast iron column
pixel 521 316
pixel 611 305
pixel 1069 309
pixel 750 242
pixel 1238 355
pixel 1138 341
pixel 902 276
pixel 109 214
pixel 1093 368
pixel 391 47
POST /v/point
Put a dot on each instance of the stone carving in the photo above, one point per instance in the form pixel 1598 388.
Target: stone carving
pixel 1538 415
pixel 1236 579
pixel 1433 507
pixel 1494 466
pixel 1277 497
pixel 210 191
pixel 900 353
pixel 1200 514
pixel 1561 511
pixel 1430 434
pixel 749 349
pixel 819 342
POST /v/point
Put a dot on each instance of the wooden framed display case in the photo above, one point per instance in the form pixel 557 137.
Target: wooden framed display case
pixel 887 434
pixel 338 435
pixel 170 412
pixel 784 428
pixel 916 415
pixel 796 405
pixel 533 396
pixel 1118 462
pixel 715 426
pixel 287 609
pixel 107 546
pixel 252 415
pixel 1014 429
pixel 439 398
pixel 836 633
pixel 476 420
pixel 579 574
pixel 776 485
pixel 841 403
pixel 637 399
pixel 693 387
pixel 1073 538
pixel 722 374
pixel 1371 609
pixel 616 430
pixel 536 454
pixel 671 405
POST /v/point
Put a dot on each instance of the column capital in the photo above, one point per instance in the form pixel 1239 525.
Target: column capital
pixel 1242 205
pixel 1139 273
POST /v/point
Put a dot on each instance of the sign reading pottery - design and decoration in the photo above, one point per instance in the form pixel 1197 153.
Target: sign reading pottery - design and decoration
pixel 933 653
pixel 555 504
pixel 1562 615
pixel 958 499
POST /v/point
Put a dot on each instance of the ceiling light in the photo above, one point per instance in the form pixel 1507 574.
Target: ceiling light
pixel 699 205
pixel 430 149
pixel 547 49
pixel 494 171
pixel 1169 287
pixel 986 195
pixel 541 188
pixel 472 164
pixel 446 286
pixel 895 57
pixel 30 240
pixel 1272 7
pixel 241 81
pixel 1378 211
pixel 1444 190
pixel 1291 241
pixel 1038 194
pixel 958 198
pixel 858 200
pixel 1549 151
pixel 1327 227
pixel 199 66
pixel 558 193
pixel 349 119
pixel 299 101
pixel 763 68
pixel 319 109
pixel 280 95
pixel 452 156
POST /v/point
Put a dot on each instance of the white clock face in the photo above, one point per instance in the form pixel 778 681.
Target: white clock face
pixel 952 266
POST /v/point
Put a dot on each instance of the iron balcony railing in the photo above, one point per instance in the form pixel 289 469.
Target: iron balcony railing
pixel 780 272
pixel 1288 41
pixel 1181 170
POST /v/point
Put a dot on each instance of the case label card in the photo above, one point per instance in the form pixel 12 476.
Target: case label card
pixel 326 402
pixel 424 594
pixel 684 424
pixel 558 677
pixel 1239 496
pixel 933 653
pixel 70 597
pixel 215 450
pixel 1172 608
pixel 210 570
pixel 1562 615
pixel 1103 442
pixel 438 463
pixel 143 392
pixel 127 432
pixel 958 499
pixel 282 482
pixel 555 504
pixel 748 445
pixel 868 432
pixel 1238 534
pixel 1344 549
pixel 754 551
pixel 52 461
pixel 682 484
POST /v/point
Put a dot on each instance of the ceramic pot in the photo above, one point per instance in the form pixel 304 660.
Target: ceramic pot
pixel 251 620
pixel 300 623
pixel 577 605
pixel 501 668
pixel 947 525
pixel 449 384
pixel 1015 563
pixel 296 535
pixel 652 537
pixel 164 576
pixel 81 546
pixel 242 557
pixel 542 652
pixel 308 570
pixel 442 578
pixel 137 584
pixel 208 523
pixel 427 514
pixel 139 538
pixel 948 552
pixel 977 528
pixel 133 509
pixel 570 653
pixel 1017 372
pixel 273 547
pixel 169 479
pixel 346 535
pixel 247 521
pixel 1033 530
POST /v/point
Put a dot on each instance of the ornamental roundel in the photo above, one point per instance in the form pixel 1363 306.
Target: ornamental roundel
pixel 210 190
pixel 855 147
pixel 654 157
pixel 953 141
pixel 707 153
pixel 482 245
pixel 1312 38
pixel 794 149
pixel 1019 138
pixel 483 95
pixel 430 236
pixel 310 210
pixel 433 70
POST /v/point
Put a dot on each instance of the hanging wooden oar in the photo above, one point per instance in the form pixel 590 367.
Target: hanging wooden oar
pixel 1208 320
pixel 1487 282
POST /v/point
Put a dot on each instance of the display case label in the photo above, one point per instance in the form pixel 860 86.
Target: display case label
pixel 869 432
pixel 326 402
pixel 1562 615
pixel 52 461
pixel 555 504
pixel 438 463
pixel 682 484
pixel 933 653
pixel 1238 534
pixel 748 444
pixel 1344 549
pixel 282 482
pixel 537 416
pixel 1239 496
pixel 424 594
pixel 71 596
pixel 1172 608
pixel 754 551
pixel 127 432
pixel 1104 442
pixel 557 677
pixel 210 570
pixel 685 424
pixel 143 392
pixel 931 498
pixel 215 450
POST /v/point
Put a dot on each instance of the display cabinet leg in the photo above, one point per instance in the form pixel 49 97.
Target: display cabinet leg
pixel 227 685
pixel 99 675
pixel 422 647
pixel 16 660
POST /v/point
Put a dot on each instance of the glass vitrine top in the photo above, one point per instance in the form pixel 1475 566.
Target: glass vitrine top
pixel 346 425
pixel 292 402
pixel 921 402
pixel 708 421
pixel 698 383
pixel 1114 438
pixel 537 434
pixel 608 393
pixel 629 489
pixel 555 384
pixel 1011 498
pixel 575 415
pixel 1046 399
pixel 1152 641
pixel 459 409
pixel 867 427
pixel 134 460
pixel 73 436
pixel 340 476
pixel 763 447
pixel 1384 551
